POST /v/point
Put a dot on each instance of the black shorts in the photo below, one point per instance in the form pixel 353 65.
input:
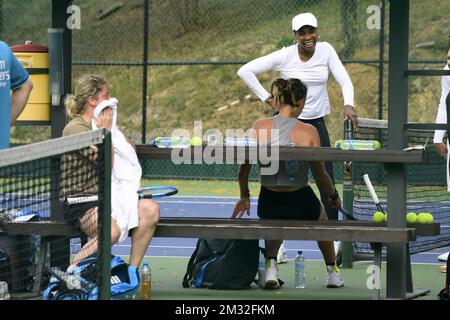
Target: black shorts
pixel 302 204
pixel 74 212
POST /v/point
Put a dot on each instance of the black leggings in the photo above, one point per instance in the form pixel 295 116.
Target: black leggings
pixel 319 124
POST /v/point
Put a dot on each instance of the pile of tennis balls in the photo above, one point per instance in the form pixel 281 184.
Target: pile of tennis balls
pixel 411 217
pixel 423 217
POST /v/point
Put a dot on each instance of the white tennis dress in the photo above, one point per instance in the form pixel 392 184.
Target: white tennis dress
pixel 125 178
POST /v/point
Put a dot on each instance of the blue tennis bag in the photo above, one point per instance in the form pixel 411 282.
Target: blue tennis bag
pixel 80 283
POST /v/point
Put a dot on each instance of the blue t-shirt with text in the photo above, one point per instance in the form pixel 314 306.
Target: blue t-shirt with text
pixel 12 76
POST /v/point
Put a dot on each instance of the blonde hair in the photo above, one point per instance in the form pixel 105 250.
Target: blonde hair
pixel 88 85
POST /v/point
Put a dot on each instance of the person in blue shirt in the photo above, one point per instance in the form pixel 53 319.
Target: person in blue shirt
pixel 13 77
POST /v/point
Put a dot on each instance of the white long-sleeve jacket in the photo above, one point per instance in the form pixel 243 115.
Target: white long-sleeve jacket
pixel 442 110
pixel 313 73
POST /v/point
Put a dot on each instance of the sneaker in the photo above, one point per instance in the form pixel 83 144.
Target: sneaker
pixel 334 280
pixel 271 278
pixel 443 257
pixel 282 254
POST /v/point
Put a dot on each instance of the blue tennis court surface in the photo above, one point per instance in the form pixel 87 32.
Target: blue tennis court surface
pixel 219 207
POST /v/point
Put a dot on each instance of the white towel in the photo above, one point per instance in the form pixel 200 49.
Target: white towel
pixel 125 178
pixel 111 103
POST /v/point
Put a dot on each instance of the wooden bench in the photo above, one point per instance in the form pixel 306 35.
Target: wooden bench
pixel 361 231
pixel 376 234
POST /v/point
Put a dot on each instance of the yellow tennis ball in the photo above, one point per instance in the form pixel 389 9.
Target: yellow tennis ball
pixel 385 217
pixel 196 141
pixel 411 217
pixel 429 218
pixel 377 145
pixel 378 216
pixel 422 217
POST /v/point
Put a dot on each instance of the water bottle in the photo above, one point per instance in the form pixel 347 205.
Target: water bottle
pixel 291 169
pixel 240 142
pixel 171 142
pixel 357 144
pixel 261 270
pixel 300 274
pixel 146 282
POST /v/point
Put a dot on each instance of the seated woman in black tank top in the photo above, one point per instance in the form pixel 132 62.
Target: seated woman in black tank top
pixel 287 195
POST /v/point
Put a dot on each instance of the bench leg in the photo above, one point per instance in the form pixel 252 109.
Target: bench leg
pixel 40 266
pixel 409 282
pixel 377 256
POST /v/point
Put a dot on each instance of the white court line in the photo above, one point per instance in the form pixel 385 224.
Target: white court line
pixel 199 202
pixel 150 247
pixel 206 197
pixel 294 250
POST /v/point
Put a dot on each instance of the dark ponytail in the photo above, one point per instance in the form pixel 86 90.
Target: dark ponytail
pixel 288 91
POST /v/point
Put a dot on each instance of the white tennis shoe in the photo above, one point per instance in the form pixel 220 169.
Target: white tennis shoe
pixel 443 257
pixel 271 278
pixel 334 280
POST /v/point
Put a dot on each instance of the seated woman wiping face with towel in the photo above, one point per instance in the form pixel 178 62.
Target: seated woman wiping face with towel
pixel 89 108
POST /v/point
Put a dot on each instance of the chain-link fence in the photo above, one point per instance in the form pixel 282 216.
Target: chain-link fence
pixel 195 48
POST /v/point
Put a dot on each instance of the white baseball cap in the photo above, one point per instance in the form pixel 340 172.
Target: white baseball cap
pixel 303 19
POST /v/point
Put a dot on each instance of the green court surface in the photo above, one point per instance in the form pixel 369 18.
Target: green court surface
pixel 168 272
pixel 210 188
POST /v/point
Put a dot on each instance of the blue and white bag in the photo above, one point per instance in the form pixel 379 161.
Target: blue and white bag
pixel 80 283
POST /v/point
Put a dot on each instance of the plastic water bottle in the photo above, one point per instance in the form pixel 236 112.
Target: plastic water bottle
pixel 171 142
pixel 357 144
pixel 300 273
pixel 146 282
pixel 261 270
pixel 240 142
pixel 291 169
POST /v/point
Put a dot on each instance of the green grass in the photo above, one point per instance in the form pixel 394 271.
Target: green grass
pixel 168 272
pixel 213 188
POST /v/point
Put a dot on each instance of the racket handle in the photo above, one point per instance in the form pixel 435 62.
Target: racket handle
pixel 370 188
pixel 346 214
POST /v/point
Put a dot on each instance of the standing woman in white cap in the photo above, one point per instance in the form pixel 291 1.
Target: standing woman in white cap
pixel 310 61
pixel 441 117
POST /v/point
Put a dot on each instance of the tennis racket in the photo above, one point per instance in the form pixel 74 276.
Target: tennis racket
pixel 346 214
pixel 157 192
pixel 372 192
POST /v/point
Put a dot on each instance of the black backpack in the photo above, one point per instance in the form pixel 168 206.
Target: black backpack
pixel 223 264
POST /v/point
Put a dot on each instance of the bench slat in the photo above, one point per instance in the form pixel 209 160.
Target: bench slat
pixel 364 231
pixel 42 228
pixel 320 233
pixel 147 152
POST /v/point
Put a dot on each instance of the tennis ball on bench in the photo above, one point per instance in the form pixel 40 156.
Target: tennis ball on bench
pixel 411 217
pixel 378 216
pixel 429 217
pixel 196 141
pixel 422 217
